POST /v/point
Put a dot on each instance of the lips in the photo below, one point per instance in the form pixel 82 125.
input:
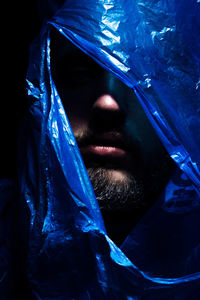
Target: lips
pixel 107 145
pixel 104 151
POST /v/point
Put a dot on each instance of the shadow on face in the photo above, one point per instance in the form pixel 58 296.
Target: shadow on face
pixel 125 160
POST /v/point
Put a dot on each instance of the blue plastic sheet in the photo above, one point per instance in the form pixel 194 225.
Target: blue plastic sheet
pixel 153 47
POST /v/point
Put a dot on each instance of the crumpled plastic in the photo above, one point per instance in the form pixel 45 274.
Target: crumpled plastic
pixel 153 47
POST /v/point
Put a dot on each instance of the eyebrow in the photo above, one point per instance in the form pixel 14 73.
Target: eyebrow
pixel 72 55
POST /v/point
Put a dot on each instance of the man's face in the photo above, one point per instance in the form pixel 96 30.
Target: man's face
pixel 125 160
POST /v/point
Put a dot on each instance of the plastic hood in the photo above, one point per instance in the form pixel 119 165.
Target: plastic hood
pixel 153 47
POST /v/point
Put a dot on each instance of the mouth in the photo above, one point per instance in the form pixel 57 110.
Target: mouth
pixel 101 150
pixel 110 146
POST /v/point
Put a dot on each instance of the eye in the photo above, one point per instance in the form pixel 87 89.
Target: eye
pixel 81 71
pixel 78 75
pixel 75 70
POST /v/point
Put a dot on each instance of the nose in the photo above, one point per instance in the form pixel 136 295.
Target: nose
pixel 106 102
pixel 110 93
pixel 106 111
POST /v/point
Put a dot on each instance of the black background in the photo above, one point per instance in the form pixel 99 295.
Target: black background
pixel 20 23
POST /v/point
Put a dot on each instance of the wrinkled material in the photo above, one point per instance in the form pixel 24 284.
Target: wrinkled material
pixel 154 48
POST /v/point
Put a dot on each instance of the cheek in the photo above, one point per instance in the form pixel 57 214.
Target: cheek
pixel 140 130
pixel 77 108
pixel 79 124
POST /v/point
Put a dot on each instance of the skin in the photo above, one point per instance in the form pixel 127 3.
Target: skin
pixel 114 136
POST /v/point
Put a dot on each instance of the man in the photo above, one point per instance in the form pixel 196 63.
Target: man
pixel 125 160
pixel 150 209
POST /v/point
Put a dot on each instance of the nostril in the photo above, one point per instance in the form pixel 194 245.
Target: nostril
pixel 106 102
pixel 106 114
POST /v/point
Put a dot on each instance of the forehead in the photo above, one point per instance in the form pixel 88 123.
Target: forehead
pixel 63 49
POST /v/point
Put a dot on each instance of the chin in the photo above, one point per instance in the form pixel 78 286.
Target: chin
pixel 115 190
pixel 117 176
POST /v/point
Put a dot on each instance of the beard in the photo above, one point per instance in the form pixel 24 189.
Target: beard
pixel 116 195
pixel 136 190
pixel 134 193
pixel 125 193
